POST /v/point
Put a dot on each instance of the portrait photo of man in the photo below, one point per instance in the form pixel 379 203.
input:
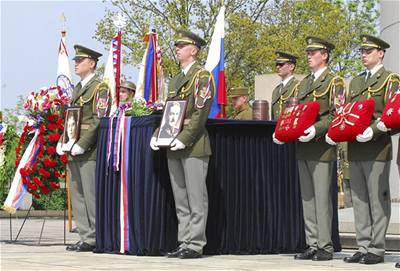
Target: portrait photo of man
pixel 171 122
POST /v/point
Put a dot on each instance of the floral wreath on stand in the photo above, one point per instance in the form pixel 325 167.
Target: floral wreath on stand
pixel 45 113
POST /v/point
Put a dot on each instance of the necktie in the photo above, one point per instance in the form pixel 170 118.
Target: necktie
pixel 311 80
pixel 368 76
pixel 280 88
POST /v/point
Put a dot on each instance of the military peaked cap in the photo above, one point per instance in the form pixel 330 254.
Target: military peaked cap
pixel 282 57
pixel 83 52
pixel 368 41
pixel 315 43
pixel 187 37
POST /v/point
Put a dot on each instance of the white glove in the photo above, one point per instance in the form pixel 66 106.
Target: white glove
pixel 276 141
pixel 366 135
pixel 77 150
pixel 153 144
pixel 59 150
pixel 177 145
pixel 329 140
pixel 382 127
pixel 310 131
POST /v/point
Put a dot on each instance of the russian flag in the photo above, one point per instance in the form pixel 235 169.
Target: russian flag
pixel 216 65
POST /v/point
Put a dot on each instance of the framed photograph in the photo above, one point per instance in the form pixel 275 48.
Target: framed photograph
pixel 171 122
pixel 72 126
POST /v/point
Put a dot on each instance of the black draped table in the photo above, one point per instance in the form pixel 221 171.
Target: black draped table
pixel 253 189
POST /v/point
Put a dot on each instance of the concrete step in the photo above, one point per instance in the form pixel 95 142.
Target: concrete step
pixel 348 240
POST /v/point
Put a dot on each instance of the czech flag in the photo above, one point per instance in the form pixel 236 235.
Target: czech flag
pixel 216 65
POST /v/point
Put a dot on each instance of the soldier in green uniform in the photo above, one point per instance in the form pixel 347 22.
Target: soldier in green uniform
pixel 240 102
pixel 126 92
pixel 369 156
pixel 285 66
pixel 314 155
pixel 92 97
pixel 189 153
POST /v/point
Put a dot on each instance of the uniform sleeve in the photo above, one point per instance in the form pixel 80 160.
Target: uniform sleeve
pixel 89 138
pixel 336 95
pixel 201 107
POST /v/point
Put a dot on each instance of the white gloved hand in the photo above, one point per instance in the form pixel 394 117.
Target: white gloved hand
pixel 382 127
pixel 276 141
pixel 329 140
pixel 310 134
pixel 59 149
pixel 77 150
pixel 153 144
pixel 366 135
pixel 177 145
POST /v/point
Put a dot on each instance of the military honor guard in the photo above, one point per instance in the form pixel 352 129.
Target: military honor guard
pixel 92 97
pixel 285 66
pixel 315 157
pixel 188 155
pixel 369 156
pixel 240 102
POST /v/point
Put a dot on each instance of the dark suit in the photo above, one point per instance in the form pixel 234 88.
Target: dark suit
pixel 315 161
pixel 188 167
pixel 370 166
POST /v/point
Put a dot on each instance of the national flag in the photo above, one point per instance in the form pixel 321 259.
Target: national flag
pixel 150 85
pixel 216 65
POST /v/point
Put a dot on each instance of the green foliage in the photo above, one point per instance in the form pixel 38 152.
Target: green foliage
pixel 255 29
pixel 12 116
pixel 53 202
pixel 139 108
pixel 7 170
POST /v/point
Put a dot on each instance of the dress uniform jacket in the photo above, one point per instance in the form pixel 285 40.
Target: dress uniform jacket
pixel 244 113
pixel 376 87
pixel 279 97
pixel 324 90
pixel 199 100
pixel 86 98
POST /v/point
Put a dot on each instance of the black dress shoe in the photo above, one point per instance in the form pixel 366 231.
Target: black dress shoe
pixel 188 253
pixel 306 255
pixel 371 258
pixel 174 253
pixel 85 247
pixel 73 247
pixel 355 258
pixel 322 255
pixel 397 265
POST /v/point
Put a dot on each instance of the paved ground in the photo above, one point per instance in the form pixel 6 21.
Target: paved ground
pixel 51 255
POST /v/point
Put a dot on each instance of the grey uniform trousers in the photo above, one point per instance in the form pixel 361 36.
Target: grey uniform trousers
pixel 315 184
pixel 370 192
pixel 83 198
pixel 188 181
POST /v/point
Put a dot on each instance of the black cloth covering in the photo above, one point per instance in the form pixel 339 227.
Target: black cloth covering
pixel 253 188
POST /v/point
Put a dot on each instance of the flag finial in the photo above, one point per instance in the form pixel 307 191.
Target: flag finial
pixel 63 19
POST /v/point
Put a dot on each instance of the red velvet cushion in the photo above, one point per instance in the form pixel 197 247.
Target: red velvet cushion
pixel 294 120
pixel 391 112
pixel 351 120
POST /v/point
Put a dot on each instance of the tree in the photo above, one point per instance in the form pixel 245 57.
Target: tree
pixel 255 29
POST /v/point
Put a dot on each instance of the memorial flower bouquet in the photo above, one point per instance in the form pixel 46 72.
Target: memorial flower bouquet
pixel 42 169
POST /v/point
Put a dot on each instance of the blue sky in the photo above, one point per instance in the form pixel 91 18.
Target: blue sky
pixel 30 36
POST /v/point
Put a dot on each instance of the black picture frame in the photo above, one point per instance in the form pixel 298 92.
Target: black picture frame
pixel 172 122
pixel 72 124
